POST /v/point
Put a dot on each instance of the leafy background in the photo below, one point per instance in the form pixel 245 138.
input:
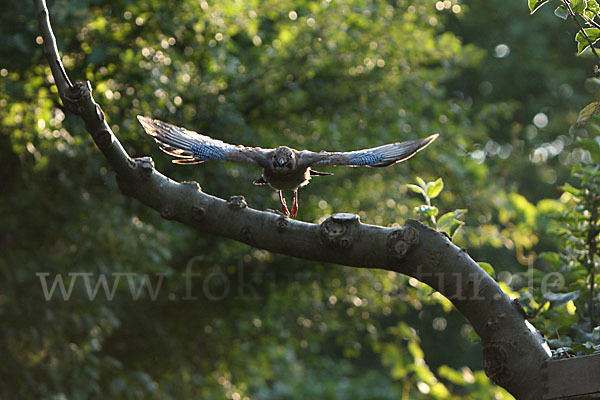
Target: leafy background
pixel 502 88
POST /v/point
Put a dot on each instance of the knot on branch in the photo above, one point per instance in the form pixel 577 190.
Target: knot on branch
pixel 237 202
pixel 340 230
pixel 247 234
pixel 195 186
pixel 282 223
pixel 400 241
pixel 494 322
pixel 103 138
pixel 495 363
pixel 198 212
pixel 146 166
pixel 77 94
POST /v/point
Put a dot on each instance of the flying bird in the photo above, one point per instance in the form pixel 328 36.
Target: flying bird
pixel 284 168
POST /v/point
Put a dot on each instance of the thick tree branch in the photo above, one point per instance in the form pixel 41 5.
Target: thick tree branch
pixel 513 351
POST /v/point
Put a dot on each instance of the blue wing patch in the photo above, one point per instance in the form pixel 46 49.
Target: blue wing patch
pixel 209 152
pixel 365 158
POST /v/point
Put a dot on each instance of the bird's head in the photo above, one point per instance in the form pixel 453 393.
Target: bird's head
pixel 283 157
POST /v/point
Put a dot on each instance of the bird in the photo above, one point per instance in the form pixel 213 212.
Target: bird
pixel 283 168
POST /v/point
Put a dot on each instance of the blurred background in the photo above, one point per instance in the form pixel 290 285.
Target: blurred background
pixel 501 87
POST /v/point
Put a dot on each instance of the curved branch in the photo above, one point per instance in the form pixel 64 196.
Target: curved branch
pixel 513 350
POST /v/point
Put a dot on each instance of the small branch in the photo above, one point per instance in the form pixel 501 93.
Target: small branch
pixel 581 29
pixel 51 49
pixel 537 311
pixel 591 21
pixel 592 249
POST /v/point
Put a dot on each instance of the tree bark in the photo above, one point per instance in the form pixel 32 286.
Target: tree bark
pixel 513 351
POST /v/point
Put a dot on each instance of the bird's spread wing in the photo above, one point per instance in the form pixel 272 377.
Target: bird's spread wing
pixel 381 156
pixel 192 147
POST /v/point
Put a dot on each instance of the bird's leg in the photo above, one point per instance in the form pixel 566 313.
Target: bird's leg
pixel 295 204
pixel 284 208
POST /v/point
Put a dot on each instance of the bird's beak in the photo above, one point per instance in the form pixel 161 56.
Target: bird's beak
pixel 281 161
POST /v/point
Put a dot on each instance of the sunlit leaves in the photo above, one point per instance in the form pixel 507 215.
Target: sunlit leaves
pixel 450 222
pixel 578 227
pixel 417 189
pixel 487 267
pixel 592 9
pixel 570 189
pixel 586 113
pixel 592 146
pixel 587 10
pixel 578 6
pixel 561 12
pixel 426 210
pixel 582 42
pixel 534 5
pixel 434 188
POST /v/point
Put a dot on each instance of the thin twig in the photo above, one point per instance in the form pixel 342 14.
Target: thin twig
pixel 536 312
pixel 592 233
pixel 591 21
pixel 566 3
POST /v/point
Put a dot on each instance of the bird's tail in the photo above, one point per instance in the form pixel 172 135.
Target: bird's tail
pixel 172 139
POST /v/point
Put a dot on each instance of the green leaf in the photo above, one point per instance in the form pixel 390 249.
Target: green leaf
pixel 421 182
pixel 435 188
pixel 596 334
pixel 428 211
pixel 452 375
pixel 582 43
pixel 561 12
pixel 487 268
pixel 551 257
pixel 592 9
pixel 559 299
pixel 591 146
pixel 570 189
pixel 416 189
pixel 587 112
pixel 474 337
pixel 594 127
pixel 449 223
pixel 578 6
pixel 535 4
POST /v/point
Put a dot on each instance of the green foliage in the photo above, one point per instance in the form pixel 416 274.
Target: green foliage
pixel 534 5
pixel 447 223
pixel 586 113
pixel 573 315
pixel 317 75
pixel 588 11
pixel 487 267
pixel 584 37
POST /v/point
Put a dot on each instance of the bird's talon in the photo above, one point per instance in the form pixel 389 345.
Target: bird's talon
pixel 295 204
